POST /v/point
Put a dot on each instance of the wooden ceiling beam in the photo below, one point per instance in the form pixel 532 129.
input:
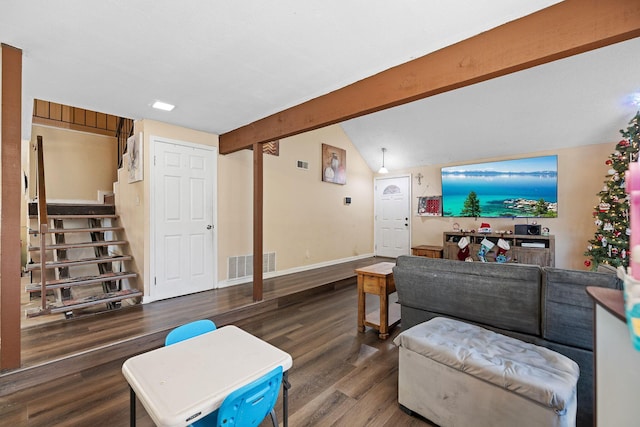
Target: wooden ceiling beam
pixel 562 30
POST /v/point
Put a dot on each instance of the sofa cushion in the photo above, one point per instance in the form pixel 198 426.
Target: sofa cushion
pixel 567 310
pixel 531 371
pixel 502 295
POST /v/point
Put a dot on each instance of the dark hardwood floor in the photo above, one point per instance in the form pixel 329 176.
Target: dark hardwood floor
pixel 64 347
pixel 339 377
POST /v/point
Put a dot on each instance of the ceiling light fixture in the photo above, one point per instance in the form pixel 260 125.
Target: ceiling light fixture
pixel 383 169
pixel 159 105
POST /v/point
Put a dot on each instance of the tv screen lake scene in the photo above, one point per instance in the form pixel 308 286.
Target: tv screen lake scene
pixel 510 188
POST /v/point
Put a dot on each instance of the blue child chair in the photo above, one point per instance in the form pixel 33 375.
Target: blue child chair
pixel 249 405
pixel 189 330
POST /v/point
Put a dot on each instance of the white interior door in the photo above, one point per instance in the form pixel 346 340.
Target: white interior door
pixel 392 217
pixel 183 214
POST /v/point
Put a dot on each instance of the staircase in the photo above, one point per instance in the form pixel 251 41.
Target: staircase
pixel 79 259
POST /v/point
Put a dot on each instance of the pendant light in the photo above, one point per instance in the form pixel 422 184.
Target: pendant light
pixel 383 169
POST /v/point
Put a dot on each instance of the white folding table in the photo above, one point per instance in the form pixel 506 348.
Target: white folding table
pixel 183 382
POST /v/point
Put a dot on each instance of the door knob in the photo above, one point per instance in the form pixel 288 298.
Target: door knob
pixel 209 227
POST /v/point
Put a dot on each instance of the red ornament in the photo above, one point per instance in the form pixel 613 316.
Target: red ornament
pixel 608 162
pixel 623 143
pixel 587 263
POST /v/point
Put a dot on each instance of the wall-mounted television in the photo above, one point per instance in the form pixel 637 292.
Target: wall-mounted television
pixel 511 188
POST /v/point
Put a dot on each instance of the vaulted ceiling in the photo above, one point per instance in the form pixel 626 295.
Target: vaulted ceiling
pixel 228 64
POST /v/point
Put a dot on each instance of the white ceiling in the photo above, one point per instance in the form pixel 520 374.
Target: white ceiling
pixel 227 64
pixel 581 100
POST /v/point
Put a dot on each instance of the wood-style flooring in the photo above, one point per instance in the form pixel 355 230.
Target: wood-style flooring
pixel 339 377
pixel 64 347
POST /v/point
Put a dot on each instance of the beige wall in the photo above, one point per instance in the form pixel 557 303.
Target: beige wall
pixel 69 155
pixel 306 221
pixel 581 173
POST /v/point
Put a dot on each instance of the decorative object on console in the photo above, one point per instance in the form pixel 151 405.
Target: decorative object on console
pixel 527 229
pixel 430 206
pixel 485 247
pixel 463 244
pixel 484 228
pixel 503 247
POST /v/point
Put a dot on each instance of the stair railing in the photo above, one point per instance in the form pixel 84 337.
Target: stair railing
pixel 43 222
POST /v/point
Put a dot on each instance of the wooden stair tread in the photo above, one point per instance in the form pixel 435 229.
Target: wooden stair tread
pixel 83 216
pixel 77 230
pixel 73 209
pixel 65 306
pixel 84 261
pixel 79 216
pixel 80 245
pixel 79 281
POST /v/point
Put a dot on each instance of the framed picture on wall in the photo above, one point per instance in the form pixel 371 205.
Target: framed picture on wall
pixel 134 163
pixel 272 148
pixel 334 164
pixel 430 206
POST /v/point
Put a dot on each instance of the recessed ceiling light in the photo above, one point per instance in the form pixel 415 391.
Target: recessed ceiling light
pixel 163 106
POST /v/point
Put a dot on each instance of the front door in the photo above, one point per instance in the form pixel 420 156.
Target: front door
pixel 183 216
pixel 392 217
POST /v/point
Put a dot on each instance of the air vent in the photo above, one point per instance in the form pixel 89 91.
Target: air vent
pixel 303 165
pixel 242 265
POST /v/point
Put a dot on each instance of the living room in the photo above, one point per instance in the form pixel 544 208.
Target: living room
pixel 295 198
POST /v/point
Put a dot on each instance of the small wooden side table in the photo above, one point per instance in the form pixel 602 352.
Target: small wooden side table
pixel 377 279
pixel 427 251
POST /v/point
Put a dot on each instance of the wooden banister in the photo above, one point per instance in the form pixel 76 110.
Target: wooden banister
pixel 42 194
pixel 43 222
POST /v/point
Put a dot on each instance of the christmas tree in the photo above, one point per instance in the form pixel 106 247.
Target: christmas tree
pixel 610 244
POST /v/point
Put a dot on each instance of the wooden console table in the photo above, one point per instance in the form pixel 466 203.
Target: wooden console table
pixel 377 279
pixel 536 250
pixel 428 251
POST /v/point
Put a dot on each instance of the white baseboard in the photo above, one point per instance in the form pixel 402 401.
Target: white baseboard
pixel 248 279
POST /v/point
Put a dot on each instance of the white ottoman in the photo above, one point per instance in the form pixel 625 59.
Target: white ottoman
pixel 457 374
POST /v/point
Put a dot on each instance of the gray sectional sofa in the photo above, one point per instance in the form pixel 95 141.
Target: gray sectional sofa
pixel 541 305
